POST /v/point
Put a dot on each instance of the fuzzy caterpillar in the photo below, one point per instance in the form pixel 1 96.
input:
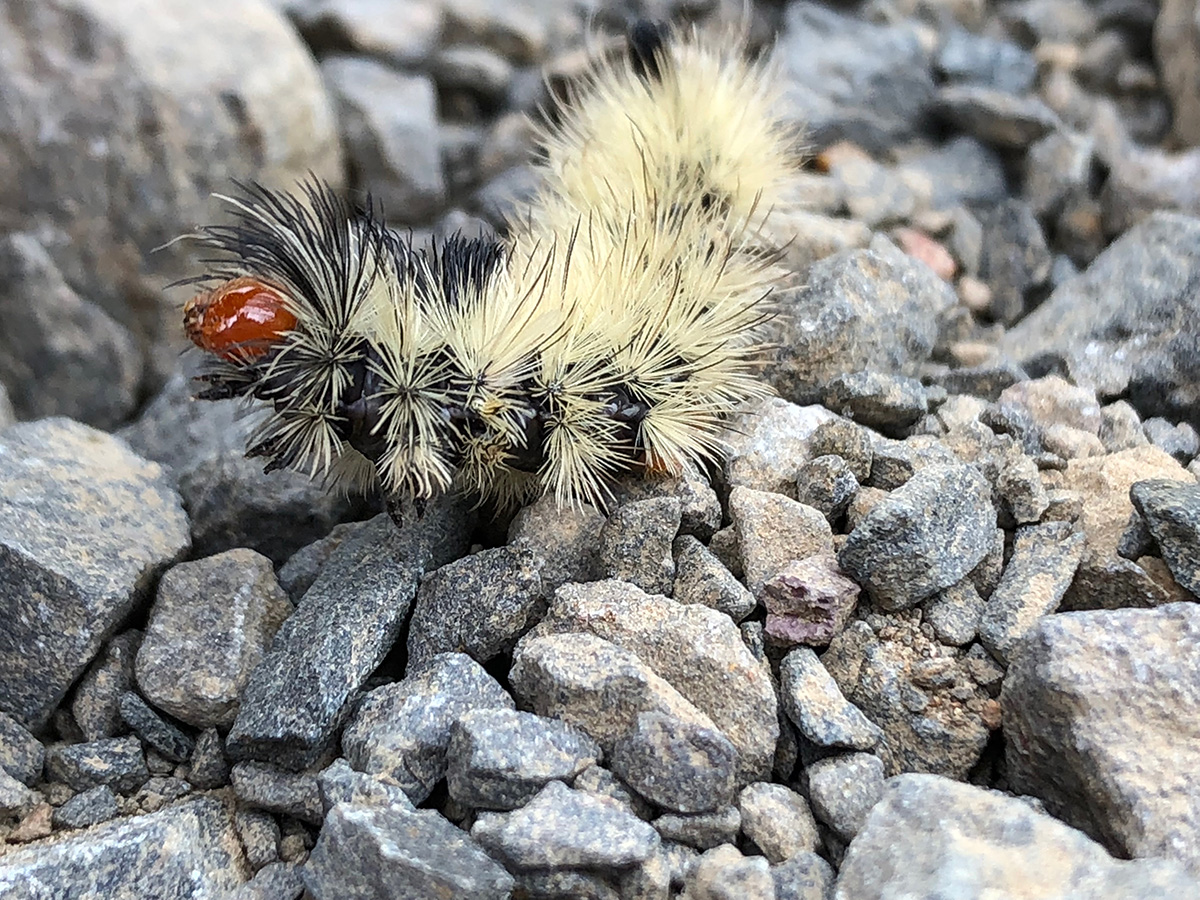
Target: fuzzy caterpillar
pixel 612 330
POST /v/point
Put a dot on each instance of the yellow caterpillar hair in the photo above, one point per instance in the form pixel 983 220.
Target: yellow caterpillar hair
pixel 611 330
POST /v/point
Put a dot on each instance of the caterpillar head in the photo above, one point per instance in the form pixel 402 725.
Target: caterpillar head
pixel 240 319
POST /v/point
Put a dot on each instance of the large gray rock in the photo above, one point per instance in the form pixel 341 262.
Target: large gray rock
pixel 1128 324
pixel 1102 720
pixel 854 80
pixel 933 837
pixel 60 355
pixel 389 120
pixel 188 850
pixel 85 528
pixel 371 853
pixel 120 121
pixel 211 624
pixel 345 625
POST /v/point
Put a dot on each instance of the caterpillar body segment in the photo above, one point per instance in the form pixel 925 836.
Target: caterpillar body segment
pixel 612 330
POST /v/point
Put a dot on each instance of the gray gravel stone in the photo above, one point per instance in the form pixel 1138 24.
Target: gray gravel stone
pixel 338 783
pixel 263 786
pixel 230 501
pixel 813 702
pixel 117 762
pixel 980 59
pixel 397 732
pixel 392 854
pixel 843 789
pixel 388 120
pixel 697 650
pixel 156 732
pixel 700 577
pixel 1020 490
pixel 564 828
pixel 677 765
pixel 808 602
pixel 701 830
pixel 21 754
pixel 186 850
pixel 60 354
pixel 924 537
pixel 996 117
pixel 259 833
pixel 767 444
pixel 211 624
pixel 1121 427
pixel 499 758
pixel 275 881
pixel 849 442
pixel 827 483
pixel 954 613
pixel 805 876
pixel 89 808
pixel 635 544
pixel 402 32
pixel 15 798
pixel 209 769
pixel 85 528
pixel 931 835
pixel 888 403
pixel 1102 720
pixel 724 874
pixel 97 701
pixel 963 172
pixel 1037 575
pixel 478 605
pixel 593 684
pixel 1120 341
pixel 874 309
pixel 1180 440
pixel 1171 510
pixel 772 530
pixel 344 626
pixel 851 79
pixel 777 820
pixel 563 538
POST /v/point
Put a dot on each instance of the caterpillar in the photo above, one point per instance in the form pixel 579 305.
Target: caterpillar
pixel 611 328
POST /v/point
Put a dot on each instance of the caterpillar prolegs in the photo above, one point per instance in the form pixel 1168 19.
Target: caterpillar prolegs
pixel 611 329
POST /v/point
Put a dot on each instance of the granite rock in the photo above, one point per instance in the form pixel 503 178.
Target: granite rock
pixel 478 605
pixel 1102 719
pixel 298 695
pixel 499 758
pixel 394 854
pixel 397 734
pixel 187 850
pixel 903 551
pixel 929 834
pixel 85 528
pixel 697 650
pixel 211 624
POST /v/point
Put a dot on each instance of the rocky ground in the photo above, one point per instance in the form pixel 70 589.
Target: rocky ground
pixel 931 630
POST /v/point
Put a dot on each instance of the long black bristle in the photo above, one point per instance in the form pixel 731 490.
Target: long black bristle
pixel 646 40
